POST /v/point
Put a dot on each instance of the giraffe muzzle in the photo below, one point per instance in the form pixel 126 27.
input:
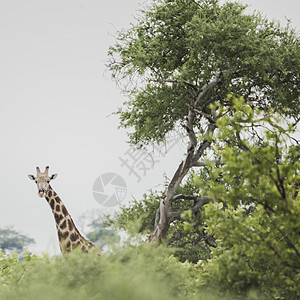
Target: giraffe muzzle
pixel 42 193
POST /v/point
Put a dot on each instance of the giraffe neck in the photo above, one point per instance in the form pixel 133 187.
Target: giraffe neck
pixel 68 234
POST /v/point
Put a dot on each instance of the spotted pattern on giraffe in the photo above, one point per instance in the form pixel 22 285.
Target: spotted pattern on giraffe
pixel 74 236
pixel 64 210
pixel 63 225
pixel 70 225
pixel 52 203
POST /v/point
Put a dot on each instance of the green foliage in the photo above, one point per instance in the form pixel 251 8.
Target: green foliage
pixel 184 235
pixel 138 217
pixel 187 235
pixel 142 272
pixel 11 240
pixel 258 248
pixel 255 214
pixel 176 47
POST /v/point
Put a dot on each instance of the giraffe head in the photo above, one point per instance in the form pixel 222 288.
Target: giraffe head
pixel 42 180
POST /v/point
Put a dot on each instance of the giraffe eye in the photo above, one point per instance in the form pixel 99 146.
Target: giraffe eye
pixel 48 181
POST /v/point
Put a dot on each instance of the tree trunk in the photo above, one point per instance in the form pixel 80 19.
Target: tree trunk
pixel 195 151
pixel 166 214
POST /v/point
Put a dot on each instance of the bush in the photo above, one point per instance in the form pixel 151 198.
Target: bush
pixel 136 272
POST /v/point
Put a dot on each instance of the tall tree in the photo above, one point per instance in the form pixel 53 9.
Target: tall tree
pixel 184 55
pixel 254 242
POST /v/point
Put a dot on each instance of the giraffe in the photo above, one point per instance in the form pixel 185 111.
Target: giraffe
pixel 68 234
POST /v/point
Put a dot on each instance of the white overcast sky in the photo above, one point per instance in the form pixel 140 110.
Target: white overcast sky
pixel 55 99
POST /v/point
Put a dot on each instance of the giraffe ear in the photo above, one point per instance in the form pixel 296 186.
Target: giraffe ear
pixel 53 176
pixel 31 177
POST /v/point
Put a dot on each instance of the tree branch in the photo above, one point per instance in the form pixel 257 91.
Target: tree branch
pixel 176 215
pixel 192 109
pixel 241 144
pixel 210 118
pixel 205 143
pixel 216 163
pixel 289 242
pixel 208 86
pixel 157 216
pixel 175 81
pixel 248 211
pixel 184 197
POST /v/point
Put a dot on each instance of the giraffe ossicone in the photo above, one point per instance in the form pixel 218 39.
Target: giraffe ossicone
pixel 68 234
